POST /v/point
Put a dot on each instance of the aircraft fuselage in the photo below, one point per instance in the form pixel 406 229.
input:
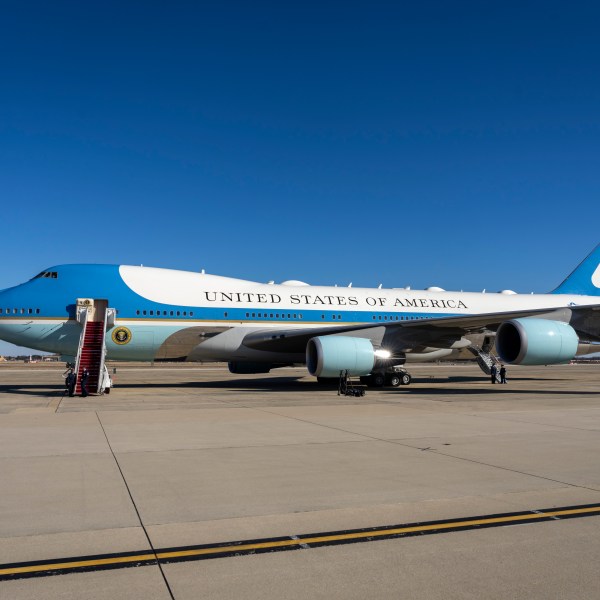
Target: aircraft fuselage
pixel 169 314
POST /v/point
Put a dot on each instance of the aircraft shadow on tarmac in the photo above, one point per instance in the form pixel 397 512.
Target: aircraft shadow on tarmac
pixel 271 384
pixel 33 390
pixel 434 387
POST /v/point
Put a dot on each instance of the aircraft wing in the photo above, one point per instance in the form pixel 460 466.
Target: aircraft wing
pixel 440 332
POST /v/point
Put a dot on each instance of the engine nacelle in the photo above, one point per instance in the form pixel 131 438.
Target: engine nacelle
pixel 327 355
pixel 531 341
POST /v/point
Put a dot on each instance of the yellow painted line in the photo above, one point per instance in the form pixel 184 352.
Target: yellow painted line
pixel 77 564
pixel 368 534
pixel 316 539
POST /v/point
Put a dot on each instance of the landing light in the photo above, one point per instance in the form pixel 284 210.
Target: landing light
pixel 382 353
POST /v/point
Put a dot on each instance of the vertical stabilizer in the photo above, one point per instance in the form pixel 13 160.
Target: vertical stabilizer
pixel 585 279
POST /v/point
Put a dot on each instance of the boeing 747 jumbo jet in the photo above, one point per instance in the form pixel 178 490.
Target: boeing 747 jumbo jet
pixel 89 313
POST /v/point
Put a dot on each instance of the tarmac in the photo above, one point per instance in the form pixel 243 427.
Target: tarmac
pixel 187 481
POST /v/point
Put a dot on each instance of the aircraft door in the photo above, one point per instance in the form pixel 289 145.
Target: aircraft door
pixel 94 309
pixel 99 310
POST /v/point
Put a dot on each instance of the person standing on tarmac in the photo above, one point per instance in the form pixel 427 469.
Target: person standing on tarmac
pixel 70 381
pixel 84 379
pixel 502 374
pixel 493 372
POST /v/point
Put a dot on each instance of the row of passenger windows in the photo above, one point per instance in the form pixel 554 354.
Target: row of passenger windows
pixel 333 317
pixel 165 313
pixel 178 313
pixel 271 315
pixel 395 318
pixel 185 313
pixel 20 311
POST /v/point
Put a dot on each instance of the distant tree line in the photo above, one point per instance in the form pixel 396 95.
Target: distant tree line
pixel 32 358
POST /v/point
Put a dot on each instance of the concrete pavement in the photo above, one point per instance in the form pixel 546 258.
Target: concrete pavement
pixel 186 455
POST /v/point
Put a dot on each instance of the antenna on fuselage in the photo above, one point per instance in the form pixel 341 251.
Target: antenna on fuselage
pixel 350 284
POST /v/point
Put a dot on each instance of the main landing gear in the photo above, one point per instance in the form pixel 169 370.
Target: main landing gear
pixel 392 376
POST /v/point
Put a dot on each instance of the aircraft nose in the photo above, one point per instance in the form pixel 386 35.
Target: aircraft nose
pixel 15 315
pixel 5 304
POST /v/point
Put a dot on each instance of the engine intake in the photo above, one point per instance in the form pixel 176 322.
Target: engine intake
pixel 531 341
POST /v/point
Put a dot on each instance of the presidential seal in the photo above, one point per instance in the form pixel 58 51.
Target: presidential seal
pixel 121 336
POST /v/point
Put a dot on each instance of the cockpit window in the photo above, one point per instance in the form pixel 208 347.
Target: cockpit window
pixel 47 274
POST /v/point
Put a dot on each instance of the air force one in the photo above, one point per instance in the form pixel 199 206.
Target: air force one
pixel 89 313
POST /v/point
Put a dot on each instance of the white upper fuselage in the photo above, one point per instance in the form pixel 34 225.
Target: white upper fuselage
pixel 324 303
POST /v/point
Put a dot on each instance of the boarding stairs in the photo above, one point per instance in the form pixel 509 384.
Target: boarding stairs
pixel 91 353
pixel 90 356
pixel 485 360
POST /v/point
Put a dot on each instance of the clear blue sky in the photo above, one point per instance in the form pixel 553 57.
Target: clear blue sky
pixel 430 143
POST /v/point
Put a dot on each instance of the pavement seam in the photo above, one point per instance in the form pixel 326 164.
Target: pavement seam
pixel 137 512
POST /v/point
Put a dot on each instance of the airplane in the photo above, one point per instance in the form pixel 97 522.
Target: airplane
pixel 89 313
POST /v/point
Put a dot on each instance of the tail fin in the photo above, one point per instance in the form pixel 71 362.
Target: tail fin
pixel 585 279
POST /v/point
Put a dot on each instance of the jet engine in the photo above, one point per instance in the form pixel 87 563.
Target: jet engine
pixel 326 356
pixel 530 341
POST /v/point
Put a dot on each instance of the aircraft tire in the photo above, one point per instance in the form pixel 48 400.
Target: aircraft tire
pixel 378 380
pixel 405 379
pixel 394 381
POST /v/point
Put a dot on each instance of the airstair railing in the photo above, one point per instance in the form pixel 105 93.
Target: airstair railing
pixel 485 360
pixel 103 376
pixel 82 319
